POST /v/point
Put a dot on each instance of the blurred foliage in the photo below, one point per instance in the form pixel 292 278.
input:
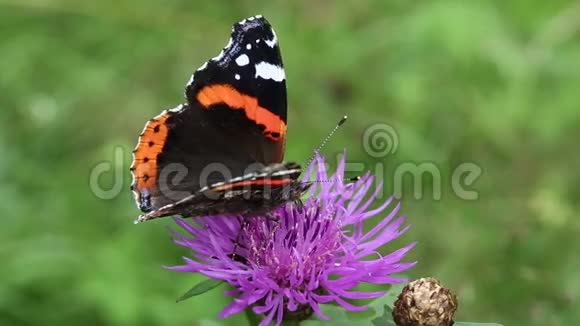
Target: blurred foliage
pixel 496 83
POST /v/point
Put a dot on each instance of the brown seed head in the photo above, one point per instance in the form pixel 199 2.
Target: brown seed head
pixel 424 302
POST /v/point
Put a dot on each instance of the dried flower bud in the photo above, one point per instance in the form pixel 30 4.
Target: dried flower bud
pixel 424 302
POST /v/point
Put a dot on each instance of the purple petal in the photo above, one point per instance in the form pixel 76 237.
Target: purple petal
pixel 280 312
pixel 350 307
pixel 232 309
pixel 317 310
pixel 383 223
pixel 266 321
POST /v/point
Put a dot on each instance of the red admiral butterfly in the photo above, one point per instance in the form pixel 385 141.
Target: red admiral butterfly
pixel 221 151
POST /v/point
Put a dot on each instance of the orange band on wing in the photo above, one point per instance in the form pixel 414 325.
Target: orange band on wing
pixel 225 94
pixel 151 142
pixel 277 182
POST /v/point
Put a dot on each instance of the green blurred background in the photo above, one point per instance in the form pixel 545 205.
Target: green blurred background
pixel 496 83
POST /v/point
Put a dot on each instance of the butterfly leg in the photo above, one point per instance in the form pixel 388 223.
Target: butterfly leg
pixel 271 217
pixel 234 255
pixel 299 204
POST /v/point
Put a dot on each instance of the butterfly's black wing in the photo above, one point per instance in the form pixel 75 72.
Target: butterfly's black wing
pixel 233 124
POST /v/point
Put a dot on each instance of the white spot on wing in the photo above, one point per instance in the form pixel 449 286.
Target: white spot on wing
pixel 230 41
pixel 285 172
pixel 221 55
pixel 237 76
pixel 267 70
pixel 272 43
pixel 242 60
pixel 203 66
pixel 190 81
pixel 248 46
pixel 178 108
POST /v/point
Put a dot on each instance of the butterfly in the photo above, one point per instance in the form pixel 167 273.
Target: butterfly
pixel 221 152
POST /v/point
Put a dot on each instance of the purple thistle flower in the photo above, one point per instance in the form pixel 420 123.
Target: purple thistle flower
pixel 314 254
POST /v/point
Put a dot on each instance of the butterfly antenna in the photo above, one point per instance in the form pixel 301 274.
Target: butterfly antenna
pixel 326 139
pixel 346 180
